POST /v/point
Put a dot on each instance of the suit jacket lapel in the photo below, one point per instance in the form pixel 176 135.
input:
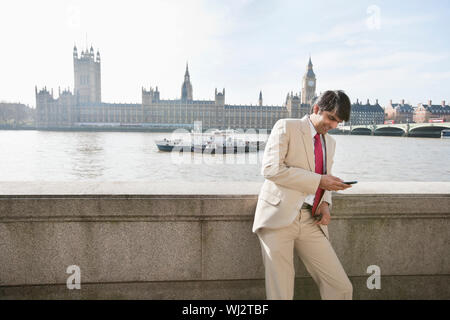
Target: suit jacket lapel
pixel 307 141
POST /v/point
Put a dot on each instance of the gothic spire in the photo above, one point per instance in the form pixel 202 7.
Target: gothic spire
pixel 309 69
pixel 186 74
pixel 186 88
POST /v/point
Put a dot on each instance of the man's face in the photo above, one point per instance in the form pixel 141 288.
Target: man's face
pixel 324 121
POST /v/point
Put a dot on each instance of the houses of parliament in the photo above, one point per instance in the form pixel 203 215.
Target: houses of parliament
pixel 84 107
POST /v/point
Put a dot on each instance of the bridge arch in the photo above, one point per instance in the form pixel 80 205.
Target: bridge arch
pixel 390 131
pixel 362 131
pixel 427 131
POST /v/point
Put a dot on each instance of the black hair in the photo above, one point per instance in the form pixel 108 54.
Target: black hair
pixel 332 100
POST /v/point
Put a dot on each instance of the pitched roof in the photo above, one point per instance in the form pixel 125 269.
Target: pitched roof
pixel 358 107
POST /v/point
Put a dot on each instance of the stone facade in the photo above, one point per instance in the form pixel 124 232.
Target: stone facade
pixel 366 113
pixel 15 114
pixel 399 112
pixel 51 112
pixel 83 107
pixel 309 85
pixel 87 76
pixel 431 112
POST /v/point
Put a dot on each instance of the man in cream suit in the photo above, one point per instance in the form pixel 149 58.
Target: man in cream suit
pixel 294 203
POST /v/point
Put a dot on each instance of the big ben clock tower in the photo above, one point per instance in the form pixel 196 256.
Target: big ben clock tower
pixel 309 84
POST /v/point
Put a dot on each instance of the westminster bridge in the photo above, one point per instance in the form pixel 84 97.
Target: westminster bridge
pixel 397 129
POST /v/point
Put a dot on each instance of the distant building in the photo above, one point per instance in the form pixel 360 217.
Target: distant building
pixel 427 112
pixel 399 112
pixel 87 76
pixel 366 113
pixel 16 114
pixel 83 106
pixel 309 85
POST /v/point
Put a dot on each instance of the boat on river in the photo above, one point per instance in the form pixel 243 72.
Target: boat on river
pixel 216 142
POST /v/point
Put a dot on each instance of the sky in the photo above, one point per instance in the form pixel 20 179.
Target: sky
pixel 370 49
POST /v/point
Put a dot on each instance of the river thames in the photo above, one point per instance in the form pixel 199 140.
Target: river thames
pixel 133 156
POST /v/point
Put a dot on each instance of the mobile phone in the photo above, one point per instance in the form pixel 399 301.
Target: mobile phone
pixel 350 182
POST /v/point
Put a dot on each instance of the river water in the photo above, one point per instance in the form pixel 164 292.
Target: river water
pixel 133 156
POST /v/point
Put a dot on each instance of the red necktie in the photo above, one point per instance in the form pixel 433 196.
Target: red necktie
pixel 318 155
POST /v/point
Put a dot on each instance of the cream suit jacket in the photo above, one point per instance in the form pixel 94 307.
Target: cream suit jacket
pixel 288 167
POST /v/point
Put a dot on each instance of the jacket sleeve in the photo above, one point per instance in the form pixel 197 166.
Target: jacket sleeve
pixel 275 169
pixel 327 197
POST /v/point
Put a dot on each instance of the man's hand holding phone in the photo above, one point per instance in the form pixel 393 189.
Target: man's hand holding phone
pixel 332 183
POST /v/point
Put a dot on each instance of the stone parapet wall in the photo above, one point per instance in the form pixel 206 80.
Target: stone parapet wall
pixel 133 240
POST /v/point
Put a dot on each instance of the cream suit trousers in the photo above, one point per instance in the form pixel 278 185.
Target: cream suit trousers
pixel 314 250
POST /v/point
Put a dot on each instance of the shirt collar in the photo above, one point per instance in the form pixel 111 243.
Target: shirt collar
pixel 311 126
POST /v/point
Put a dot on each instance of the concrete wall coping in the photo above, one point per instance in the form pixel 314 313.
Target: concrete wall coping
pixel 68 188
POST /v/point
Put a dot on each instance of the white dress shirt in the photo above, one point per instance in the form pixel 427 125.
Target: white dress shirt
pixel 310 198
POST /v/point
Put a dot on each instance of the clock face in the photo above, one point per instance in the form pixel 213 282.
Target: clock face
pixel 310 83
